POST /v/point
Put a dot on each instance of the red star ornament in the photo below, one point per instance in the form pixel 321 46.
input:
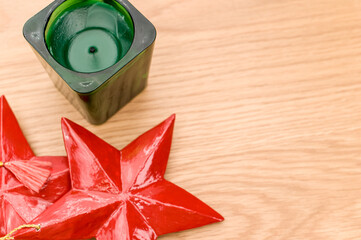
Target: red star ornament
pixel 120 195
pixel 19 204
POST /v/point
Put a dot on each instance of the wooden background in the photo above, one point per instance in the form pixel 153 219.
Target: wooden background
pixel 268 102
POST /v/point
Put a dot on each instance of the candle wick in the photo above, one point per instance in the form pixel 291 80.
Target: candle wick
pixel 93 50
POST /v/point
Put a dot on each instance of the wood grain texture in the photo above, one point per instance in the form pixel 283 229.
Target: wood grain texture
pixel 268 103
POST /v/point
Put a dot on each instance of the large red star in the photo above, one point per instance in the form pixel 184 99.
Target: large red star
pixel 120 195
pixel 18 204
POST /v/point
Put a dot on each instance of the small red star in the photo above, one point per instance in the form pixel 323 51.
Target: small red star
pixel 18 204
pixel 120 195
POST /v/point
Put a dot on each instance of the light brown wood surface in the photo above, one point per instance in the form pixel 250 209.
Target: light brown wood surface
pixel 268 103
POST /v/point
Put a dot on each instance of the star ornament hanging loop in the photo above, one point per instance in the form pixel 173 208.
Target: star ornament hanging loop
pixel 37 227
pixel 120 195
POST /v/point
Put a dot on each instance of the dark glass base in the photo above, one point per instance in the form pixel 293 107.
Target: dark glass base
pixel 98 106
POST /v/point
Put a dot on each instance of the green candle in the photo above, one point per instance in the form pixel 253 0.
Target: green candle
pixel 89 36
pixel 97 52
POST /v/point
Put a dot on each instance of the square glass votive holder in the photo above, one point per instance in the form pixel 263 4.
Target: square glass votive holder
pixel 97 52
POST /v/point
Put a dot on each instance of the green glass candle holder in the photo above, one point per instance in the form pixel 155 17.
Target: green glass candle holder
pixel 97 52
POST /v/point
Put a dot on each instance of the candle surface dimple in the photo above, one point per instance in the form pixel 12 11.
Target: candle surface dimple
pixel 94 49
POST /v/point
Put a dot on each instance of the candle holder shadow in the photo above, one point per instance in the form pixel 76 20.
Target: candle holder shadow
pixel 97 52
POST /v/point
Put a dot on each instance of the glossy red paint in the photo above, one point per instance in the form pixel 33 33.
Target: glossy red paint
pixel 120 195
pixel 18 204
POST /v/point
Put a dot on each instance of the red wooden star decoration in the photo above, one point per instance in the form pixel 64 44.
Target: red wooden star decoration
pixel 120 195
pixel 19 204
